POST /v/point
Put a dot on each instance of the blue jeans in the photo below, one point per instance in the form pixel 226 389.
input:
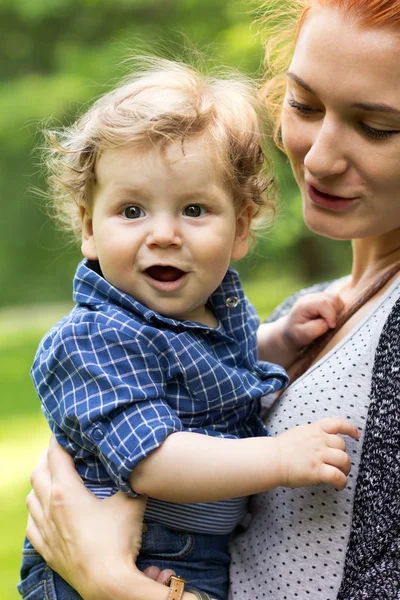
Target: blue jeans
pixel 39 582
pixel 201 559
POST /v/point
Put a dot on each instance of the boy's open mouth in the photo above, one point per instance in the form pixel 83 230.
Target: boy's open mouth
pixel 164 273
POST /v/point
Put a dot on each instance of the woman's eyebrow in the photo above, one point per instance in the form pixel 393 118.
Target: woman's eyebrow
pixel 369 106
pixel 376 106
pixel 300 82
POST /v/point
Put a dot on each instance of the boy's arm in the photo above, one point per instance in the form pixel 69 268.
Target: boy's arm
pixel 310 317
pixel 190 467
pixel 121 414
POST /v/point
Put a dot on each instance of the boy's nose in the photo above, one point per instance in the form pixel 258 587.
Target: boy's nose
pixel 164 232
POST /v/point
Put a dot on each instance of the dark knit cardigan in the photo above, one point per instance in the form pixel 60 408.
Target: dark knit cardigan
pixel 372 565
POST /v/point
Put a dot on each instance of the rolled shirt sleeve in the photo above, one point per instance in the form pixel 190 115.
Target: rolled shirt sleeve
pixel 107 393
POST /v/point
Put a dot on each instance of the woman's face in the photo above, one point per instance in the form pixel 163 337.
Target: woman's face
pixel 341 127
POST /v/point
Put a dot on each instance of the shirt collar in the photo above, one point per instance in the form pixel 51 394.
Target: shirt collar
pixel 91 289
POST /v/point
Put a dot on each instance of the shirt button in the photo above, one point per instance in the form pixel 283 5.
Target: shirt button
pixel 98 433
pixel 232 302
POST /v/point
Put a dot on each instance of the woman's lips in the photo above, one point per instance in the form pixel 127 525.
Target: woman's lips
pixel 327 200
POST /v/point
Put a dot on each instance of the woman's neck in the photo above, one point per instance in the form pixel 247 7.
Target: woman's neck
pixel 372 256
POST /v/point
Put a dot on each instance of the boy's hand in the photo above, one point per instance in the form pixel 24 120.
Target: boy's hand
pixel 311 454
pixel 311 316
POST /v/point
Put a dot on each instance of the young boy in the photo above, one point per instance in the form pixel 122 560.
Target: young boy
pixel 152 382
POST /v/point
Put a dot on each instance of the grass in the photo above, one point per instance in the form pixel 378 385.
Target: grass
pixel 23 435
pixel 23 431
pixel 22 440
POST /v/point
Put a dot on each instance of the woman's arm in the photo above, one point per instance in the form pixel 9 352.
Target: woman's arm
pixel 91 543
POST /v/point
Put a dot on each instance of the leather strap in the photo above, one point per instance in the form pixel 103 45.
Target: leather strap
pixel 310 353
pixel 200 595
pixel 177 587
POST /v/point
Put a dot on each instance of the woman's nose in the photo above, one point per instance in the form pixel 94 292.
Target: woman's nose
pixel 164 232
pixel 327 155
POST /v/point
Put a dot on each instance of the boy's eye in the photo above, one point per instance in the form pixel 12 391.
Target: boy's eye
pixel 194 210
pixel 133 212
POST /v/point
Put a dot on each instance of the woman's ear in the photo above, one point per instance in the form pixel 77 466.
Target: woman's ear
pixel 88 246
pixel 243 225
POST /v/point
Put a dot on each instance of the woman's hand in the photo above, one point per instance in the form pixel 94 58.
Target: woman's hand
pixel 91 543
pixel 80 536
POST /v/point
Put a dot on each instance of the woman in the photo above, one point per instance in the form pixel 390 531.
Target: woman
pixel 340 119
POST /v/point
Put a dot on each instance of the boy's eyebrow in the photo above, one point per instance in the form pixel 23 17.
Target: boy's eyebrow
pixel 300 82
pixel 123 189
pixel 208 193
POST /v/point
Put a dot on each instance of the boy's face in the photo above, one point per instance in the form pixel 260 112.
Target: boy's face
pixel 164 228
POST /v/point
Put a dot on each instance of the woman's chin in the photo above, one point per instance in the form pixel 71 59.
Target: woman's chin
pixel 330 225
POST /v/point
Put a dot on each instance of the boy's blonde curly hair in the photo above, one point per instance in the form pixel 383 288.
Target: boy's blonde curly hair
pixel 162 102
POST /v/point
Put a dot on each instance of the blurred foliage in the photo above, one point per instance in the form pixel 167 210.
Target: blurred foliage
pixel 57 55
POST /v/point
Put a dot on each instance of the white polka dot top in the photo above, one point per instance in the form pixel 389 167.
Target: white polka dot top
pixel 296 542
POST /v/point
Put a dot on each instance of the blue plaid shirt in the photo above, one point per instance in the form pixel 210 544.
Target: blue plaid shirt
pixel 116 378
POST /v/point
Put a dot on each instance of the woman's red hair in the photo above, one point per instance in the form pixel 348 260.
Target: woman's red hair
pixel 281 22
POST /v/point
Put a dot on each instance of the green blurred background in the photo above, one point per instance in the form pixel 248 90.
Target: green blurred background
pixel 56 56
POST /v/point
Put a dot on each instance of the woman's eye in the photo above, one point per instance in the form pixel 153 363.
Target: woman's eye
pixel 304 109
pixel 194 210
pixel 133 212
pixel 377 134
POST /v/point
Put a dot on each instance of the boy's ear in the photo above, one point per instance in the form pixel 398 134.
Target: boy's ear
pixel 88 246
pixel 243 225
